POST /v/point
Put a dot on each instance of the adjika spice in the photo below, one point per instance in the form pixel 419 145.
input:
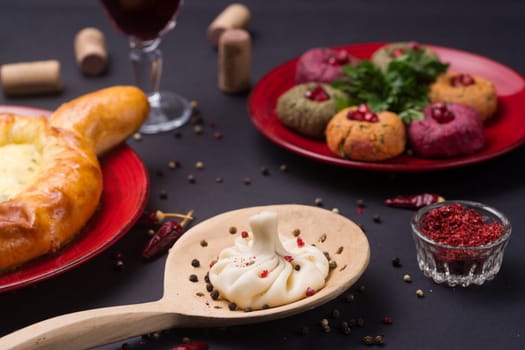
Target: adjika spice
pixel 458 226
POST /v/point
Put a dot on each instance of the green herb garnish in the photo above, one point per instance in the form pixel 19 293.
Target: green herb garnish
pixel 402 89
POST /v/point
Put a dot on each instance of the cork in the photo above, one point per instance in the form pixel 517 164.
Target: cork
pixel 31 78
pixel 234 16
pixel 90 51
pixel 234 61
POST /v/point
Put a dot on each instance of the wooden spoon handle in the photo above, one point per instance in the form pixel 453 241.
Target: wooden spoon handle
pixel 87 329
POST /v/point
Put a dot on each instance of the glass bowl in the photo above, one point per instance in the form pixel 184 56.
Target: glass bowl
pixel 460 265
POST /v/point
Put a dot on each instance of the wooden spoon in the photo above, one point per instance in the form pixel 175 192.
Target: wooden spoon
pixel 188 304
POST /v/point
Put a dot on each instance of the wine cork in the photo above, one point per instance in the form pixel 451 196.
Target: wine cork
pixel 234 16
pixel 31 78
pixel 90 51
pixel 234 60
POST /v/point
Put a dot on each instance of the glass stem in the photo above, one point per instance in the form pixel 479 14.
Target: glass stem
pixel 146 61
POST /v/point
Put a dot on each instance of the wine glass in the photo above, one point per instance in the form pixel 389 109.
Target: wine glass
pixel 145 22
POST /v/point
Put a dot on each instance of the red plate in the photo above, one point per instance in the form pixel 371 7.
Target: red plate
pixel 125 194
pixel 505 132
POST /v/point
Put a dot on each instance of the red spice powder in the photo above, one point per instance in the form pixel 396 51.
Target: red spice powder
pixel 458 226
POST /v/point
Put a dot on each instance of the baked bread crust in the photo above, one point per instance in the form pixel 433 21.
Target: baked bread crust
pixel 47 212
pixel 51 209
pixel 105 117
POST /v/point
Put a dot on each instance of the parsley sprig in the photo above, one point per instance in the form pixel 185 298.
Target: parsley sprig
pixel 402 88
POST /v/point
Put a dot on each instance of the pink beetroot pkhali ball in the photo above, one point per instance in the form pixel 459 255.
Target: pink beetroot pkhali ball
pixel 448 129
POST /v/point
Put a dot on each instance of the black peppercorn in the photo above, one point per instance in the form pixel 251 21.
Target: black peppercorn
pixel 336 313
pixel 214 294
pixel 350 297
pixel 396 262
pixel 209 287
pixel 232 306
pixel 304 330
pixel 345 328
pixel 119 264
pixel 194 278
pixel 195 263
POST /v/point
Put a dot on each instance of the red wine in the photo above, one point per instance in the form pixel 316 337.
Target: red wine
pixel 142 19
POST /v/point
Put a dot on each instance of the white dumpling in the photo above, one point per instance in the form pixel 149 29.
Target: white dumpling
pixel 261 269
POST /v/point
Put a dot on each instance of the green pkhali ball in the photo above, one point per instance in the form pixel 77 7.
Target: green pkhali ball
pixel 304 115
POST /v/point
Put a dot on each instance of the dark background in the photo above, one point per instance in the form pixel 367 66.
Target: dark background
pixel 486 317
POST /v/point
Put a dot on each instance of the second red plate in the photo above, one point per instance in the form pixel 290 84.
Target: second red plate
pixel 505 132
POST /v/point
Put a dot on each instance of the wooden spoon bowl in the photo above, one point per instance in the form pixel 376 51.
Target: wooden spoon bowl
pixel 188 304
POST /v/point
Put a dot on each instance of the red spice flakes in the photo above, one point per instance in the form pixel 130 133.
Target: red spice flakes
pixel 388 320
pixel 458 226
pixel 264 274
pixel 244 234
pixel 300 242
pixel 310 291
pixel 288 258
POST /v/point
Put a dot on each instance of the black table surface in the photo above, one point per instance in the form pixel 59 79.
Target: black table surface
pixel 480 317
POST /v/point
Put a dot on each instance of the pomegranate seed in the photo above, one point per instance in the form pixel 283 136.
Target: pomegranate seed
pixel 414 45
pixel 338 59
pixel 264 274
pixel 288 258
pixel 362 113
pixel 371 117
pixel 354 115
pixel 397 52
pixel 317 94
pixel 440 105
pixel 300 242
pixel 309 292
pixel 440 113
pixel 363 108
pixel 462 79
pixel 244 234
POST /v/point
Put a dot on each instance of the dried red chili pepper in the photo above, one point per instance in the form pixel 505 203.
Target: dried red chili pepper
pixel 155 216
pixel 194 345
pixel 165 237
pixel 414 201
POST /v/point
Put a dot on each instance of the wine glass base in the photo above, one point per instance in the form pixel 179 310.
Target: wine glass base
pixel 167 112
